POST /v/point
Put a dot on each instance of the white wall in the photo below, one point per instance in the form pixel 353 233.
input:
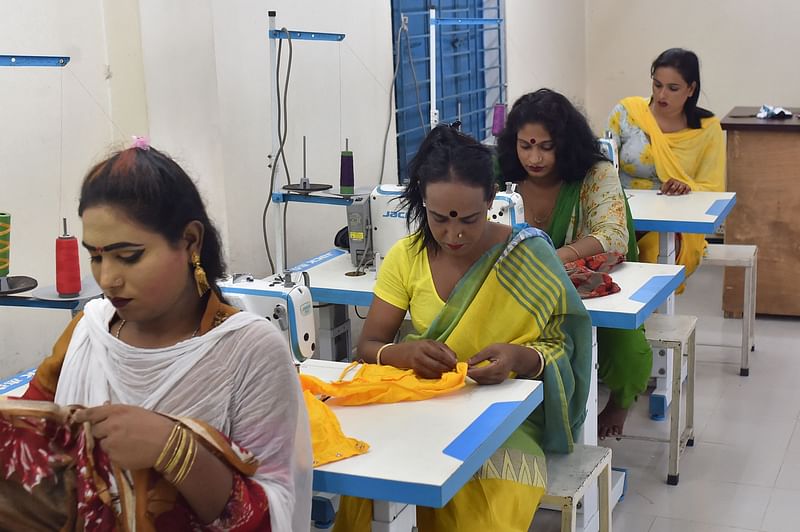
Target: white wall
pixel 746 50
pixel 545 44
pixel 207 77
pixel 55 124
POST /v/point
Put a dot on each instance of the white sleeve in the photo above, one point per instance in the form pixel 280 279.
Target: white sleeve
pixel 269 419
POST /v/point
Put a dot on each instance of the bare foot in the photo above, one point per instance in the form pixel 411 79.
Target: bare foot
pixel 611 420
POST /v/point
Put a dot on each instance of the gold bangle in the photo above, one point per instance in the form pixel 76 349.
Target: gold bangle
pixel 380 351
pixel 575 251
pixel 180 449
pixel 173 435
pixel 188 461
pixel 541 362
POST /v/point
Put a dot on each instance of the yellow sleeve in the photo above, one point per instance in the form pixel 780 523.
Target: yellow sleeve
pixel 393 277
pixel 710 176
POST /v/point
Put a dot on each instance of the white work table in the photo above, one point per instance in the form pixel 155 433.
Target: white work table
pixel 696 212
pixel 643 288
pixel 422 452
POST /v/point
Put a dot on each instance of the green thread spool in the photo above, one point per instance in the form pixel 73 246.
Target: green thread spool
pixel 5 243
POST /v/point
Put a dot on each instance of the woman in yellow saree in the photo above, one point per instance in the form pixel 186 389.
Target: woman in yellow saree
pixel 668 143
pixel 493 297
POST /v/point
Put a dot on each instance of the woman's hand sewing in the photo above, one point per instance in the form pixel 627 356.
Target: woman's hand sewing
pixel 673 187
pixel 428 358
pixel 503 359
pixel 132 437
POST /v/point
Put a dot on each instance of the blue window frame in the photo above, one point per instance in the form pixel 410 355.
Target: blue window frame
pixel 469 71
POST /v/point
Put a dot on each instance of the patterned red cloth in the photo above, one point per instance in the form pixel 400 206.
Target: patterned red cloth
pixel 590 275
pixel 53 477
pixel 39 452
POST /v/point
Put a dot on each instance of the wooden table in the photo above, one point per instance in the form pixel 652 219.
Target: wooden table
pixel 763 170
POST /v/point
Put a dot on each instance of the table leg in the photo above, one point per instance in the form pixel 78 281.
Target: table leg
pixel 662 358
pixel 393 517
pixel 590 506
pixel 333 333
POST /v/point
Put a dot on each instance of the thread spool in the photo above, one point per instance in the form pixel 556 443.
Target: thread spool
pixel 346 173
pixel 498 118
pixel 5 243
pixel 68 269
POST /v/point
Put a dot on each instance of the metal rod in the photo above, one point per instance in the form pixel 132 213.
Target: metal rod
pixel 65 226
pixel 304 158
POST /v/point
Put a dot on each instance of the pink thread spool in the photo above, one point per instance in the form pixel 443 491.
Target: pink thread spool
pixel 68 268
pixel 498 118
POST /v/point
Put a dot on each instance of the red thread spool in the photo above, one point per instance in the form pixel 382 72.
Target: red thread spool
pixel 68 268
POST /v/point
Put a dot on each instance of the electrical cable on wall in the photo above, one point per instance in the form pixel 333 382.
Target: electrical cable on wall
pixel 280 157
pixel 403 29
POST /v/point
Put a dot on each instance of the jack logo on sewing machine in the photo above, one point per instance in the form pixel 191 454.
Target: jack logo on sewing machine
pixel 305 309
pixel 394 214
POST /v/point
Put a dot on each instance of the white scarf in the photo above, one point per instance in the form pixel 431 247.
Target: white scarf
pixel 97 363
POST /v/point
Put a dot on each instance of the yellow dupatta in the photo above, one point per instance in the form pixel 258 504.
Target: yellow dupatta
pixel 699 152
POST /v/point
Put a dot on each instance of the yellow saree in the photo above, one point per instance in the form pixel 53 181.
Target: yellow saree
pixel 692 156
pixel 517 293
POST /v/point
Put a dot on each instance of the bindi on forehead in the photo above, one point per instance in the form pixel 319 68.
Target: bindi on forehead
pixel 453 214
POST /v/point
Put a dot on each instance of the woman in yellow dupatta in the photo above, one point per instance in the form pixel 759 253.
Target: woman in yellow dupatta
pixel 669 143
pixel 496 298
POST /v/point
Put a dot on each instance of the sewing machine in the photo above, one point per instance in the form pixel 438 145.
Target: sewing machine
pixel 378 220
pixel 281 300
pixel 507 207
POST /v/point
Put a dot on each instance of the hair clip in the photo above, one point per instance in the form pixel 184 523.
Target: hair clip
pixel 456 125
pixel 141 143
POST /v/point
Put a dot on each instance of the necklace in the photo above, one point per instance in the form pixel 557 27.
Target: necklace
pixel 123 322
pixel 542 220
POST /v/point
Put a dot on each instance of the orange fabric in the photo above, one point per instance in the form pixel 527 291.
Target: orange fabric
pixel 328 442
pixel 385 384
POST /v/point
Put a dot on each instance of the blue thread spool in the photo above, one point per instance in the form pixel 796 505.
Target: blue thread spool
pixel 346 174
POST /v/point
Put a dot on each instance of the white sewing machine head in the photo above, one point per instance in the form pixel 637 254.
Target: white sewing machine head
pixel 507 207
pixel 282 301
pixel 388 217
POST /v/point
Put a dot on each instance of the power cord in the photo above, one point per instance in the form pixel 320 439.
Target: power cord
pixel 280 157
pixel 398 62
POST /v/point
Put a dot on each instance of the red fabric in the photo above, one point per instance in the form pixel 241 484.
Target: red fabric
pixel 36 393
pixel 590 275
pixel 31 446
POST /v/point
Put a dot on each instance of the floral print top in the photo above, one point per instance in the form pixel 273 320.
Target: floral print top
pixel 602 210
pixel 637 168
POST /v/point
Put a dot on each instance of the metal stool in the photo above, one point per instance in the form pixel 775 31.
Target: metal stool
pixel 743 256
pixel 676 332
pixel 568 476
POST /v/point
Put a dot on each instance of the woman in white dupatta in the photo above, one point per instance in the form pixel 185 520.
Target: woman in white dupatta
pixel 198 403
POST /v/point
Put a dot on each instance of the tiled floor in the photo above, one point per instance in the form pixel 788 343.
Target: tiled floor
pixel 744 472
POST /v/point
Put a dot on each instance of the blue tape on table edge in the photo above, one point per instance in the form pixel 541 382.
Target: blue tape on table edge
pixel 721 208
pixel 20 379
pixel 467 444
pixel 319 259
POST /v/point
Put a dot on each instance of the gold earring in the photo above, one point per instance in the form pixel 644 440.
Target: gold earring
pixel 199 275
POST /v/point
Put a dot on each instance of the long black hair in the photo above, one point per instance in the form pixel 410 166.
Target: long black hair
pixel 445 155
pixel 154 191
pixel 577 149
pixel 688 66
